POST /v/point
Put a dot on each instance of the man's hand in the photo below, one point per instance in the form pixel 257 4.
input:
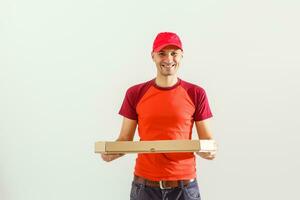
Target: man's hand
pixel 126 134
pixel 204 133
pixel 110 157
pixel 210 155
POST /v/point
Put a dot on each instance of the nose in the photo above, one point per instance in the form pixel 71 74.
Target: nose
pixel 168 58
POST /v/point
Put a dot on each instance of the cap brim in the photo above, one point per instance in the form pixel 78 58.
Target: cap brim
pixel 164 45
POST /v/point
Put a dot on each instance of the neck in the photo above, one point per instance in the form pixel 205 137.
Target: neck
pixel 166 81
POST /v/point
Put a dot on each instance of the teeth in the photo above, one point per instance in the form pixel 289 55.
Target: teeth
pixel 168 66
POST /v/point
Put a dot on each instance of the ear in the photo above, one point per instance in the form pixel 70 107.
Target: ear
pixel 152 55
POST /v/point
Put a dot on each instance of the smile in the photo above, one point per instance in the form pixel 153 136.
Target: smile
pixel 168 66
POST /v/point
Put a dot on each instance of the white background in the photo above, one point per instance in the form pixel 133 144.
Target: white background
pixel 65 66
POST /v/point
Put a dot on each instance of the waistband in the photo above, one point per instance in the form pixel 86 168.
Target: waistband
pixel 163 184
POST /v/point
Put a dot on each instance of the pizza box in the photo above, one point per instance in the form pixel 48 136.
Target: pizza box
pixel 157 146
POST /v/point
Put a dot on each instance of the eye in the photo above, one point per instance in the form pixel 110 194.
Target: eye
pixel 162 54
pixel 174 54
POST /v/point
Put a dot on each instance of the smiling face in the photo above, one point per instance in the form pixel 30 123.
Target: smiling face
pixel 167 60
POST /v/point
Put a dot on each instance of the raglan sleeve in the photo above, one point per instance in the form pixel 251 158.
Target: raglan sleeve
pixel 128 108
pixel 202 108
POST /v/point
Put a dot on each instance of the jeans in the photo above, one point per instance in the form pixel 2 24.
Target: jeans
pixel 142 192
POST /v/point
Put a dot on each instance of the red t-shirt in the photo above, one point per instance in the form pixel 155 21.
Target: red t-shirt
pixel 165 113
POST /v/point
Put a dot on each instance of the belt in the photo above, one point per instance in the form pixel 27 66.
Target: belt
pixel 162 184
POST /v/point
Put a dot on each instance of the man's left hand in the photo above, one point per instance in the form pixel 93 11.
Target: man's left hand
pixel 210 155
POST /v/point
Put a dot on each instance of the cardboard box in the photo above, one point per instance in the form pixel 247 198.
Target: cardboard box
pixel 158 146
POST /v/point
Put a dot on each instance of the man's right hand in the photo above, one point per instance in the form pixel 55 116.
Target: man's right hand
pixel 126 134
pixel 110 157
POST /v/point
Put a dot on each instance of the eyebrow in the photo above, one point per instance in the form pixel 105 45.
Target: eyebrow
pixel 170 50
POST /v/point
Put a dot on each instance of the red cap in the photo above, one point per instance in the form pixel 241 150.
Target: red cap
pixel 165 39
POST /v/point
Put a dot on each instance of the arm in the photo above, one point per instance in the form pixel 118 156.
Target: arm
pixel 126 134
pixel 204 133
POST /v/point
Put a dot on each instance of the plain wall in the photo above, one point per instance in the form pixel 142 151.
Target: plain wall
pixel 65 67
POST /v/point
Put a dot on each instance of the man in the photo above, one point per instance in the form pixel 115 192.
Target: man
pixel 165 108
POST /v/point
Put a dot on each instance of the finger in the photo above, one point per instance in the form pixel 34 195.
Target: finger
pixel 208 155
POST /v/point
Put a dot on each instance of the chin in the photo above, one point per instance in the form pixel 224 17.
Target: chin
pixel 168 74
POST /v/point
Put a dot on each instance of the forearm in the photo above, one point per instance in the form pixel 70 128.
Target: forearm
pixel 204 133
pixel 203 130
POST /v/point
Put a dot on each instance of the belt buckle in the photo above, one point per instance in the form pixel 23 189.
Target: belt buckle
pixel 161 185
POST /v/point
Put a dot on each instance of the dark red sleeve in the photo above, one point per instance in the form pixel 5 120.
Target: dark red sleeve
pixel 199 98
pixel 202 110
pixel 132 97
pixel 128 108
